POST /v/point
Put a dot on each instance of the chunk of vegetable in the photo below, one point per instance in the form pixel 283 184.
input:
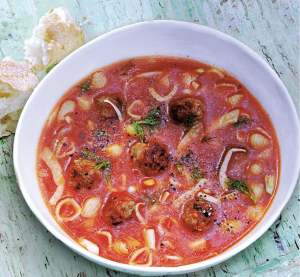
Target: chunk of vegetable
pixel 114 150
pixel 98 80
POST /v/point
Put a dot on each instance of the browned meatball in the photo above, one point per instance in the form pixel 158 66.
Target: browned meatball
pixel 104 109
pixel 151 158
pixel 84 175
pixel 198 215
pixel 118 207
pixel 187 110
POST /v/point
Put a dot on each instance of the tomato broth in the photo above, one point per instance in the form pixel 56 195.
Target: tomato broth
pixel 158 161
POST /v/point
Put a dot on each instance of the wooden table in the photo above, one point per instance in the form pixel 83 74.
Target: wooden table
pixel 269 27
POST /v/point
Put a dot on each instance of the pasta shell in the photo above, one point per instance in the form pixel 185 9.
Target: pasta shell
pixel 235 99
pixel 258 140
pixel 255 212
pixel 257 190
pixel 226 87
pixel 68 201
pixel 256 168
pixel 90 207
pixel 270 183
pixel 90 246
pixel 264 154
pixel 198 244
pixel 85 103
pixel 232 226
pixel 216 71
pixel 67 107
pixel 120 247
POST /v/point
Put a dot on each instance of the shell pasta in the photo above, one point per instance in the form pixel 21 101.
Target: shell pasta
pixel 158 161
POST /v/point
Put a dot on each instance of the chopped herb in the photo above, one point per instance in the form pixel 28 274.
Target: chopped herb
pixel 91 156
pixel 149 200
pixel 152 120
pixel 107 179
pixel 241 122
pixel 178 167
pixel 138 130
pixel 102 164
pixel 197 174
pixel 85 86
pixel 241 186
pixel 206 138
pixel 90 182
pixel 191 121
pixel 50 68
pixel 101 132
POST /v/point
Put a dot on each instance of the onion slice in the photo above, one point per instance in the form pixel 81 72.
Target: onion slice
pixel 69 201
pixel 56 170
pixel 223 169
pixel 138 214
pixel 209 198
pixel 190 193
pixel 59 146
pixel 90 246
pixel 138 252
pixel 135 116
pixel 116 109
pixel 165 98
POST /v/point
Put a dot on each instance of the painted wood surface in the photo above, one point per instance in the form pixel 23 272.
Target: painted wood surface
pixel 269 27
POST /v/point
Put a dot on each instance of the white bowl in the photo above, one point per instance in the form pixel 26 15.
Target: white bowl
pixel 170 38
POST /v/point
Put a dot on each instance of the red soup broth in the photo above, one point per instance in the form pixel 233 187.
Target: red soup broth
pixel 156 185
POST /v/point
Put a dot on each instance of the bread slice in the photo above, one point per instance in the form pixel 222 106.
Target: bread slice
pixel 56 36
pixel 17 82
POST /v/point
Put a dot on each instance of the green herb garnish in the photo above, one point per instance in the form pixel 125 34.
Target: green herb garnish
pixel 149 200
pixel 102 164
pixel 241 122
pixel 197 174
pixel 107 179
pixel 50 68
pixel 207 138
pixel 152 120
pixel 91 156
pixel 90 182
pixel 178 167
pixel 86 85
pixel 241 186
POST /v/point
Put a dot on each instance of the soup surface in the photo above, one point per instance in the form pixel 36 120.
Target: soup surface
pixel 158 161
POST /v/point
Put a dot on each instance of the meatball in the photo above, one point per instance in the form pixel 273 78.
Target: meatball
pixel 118 207
pixel 84 175
pixel 198 215
pixel 106 110
pixel 151 158
pixel 187 110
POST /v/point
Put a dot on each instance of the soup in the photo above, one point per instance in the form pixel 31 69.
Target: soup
pixel 158 161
